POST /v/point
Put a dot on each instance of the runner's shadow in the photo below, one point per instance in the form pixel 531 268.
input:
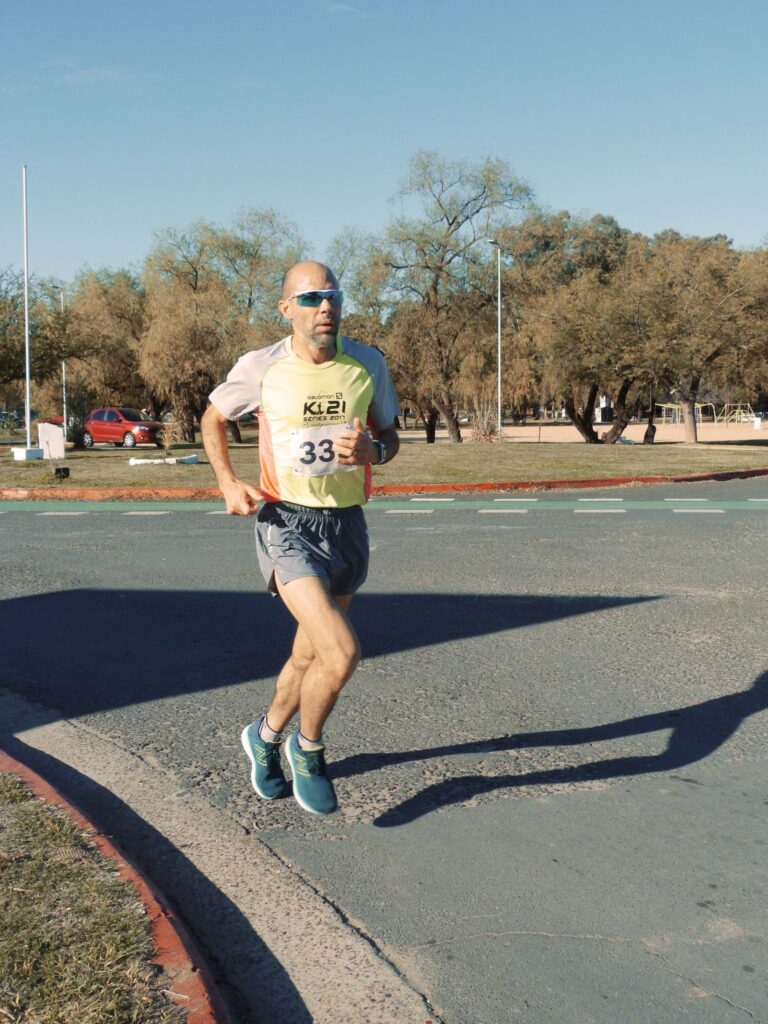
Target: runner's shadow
pixel 696 732
pixel 222 932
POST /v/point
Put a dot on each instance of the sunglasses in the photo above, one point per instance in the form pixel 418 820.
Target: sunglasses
pixel 315 298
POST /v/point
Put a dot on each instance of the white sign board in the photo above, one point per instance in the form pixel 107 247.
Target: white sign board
pixel 50 437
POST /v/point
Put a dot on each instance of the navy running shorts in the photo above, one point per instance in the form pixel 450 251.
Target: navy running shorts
pixel 293 541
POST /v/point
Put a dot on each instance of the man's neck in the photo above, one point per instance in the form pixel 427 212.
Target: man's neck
pixel 311 353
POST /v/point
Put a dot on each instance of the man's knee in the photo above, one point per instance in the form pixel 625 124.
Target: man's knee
pixel 340 659
pixel 301 660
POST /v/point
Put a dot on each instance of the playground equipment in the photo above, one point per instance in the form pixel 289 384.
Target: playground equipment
pixel 738 412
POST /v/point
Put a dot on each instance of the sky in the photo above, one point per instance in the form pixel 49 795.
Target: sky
pixel 133 117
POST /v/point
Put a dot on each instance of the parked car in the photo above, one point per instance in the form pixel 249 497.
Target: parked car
pixel 121 426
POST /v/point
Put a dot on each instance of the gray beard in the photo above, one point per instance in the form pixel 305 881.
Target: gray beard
pixel 321 341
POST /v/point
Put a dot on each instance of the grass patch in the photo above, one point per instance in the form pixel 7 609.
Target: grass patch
pixel 75 944
pixel 417 463
pixel 475 463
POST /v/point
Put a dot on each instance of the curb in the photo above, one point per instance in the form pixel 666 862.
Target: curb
pixel 380 490
pixel 174 948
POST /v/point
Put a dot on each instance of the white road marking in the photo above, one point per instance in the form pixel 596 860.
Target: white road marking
pixel 218 512
pixel 409 511
pixel 433 499
pixel 757 499
pixel 503 511
pixel 83 513
pixel 156 513
pixel 686 499
pixel 515 499
pixel 601 499
pixel 699 511
pixel 599 511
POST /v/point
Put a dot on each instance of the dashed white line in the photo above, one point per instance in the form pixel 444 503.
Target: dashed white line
pixel 599 511
pixel 757 499
pixel 503 511
pixel 409 511
pixel 218 512
pixel 699 511
pixel 153 513
pixel 433 499
pixel 601 499
pixel 83 513
pixel 686 499
pixel 516 499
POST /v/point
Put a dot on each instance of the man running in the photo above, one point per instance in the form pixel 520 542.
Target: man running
pixel 315 392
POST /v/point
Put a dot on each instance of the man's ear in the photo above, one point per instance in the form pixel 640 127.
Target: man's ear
pixel 283 307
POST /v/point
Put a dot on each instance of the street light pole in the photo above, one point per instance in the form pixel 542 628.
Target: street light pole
pixel 63 375
pixel 498 333
pixel 27 373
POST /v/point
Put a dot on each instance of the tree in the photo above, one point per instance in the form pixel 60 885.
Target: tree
pixel 212 296
pixel 439 266
pixel 700 295
pixel 564 334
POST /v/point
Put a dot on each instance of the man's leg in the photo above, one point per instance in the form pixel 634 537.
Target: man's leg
pixel 325 654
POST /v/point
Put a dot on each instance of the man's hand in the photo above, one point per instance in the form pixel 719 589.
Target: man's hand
pixel 241 499
pixel 355 447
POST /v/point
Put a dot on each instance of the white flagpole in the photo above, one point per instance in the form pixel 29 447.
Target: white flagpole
pixel 28 404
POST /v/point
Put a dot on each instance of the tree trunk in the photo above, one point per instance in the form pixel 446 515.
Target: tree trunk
pixel 584 419
pixel 688 400
pixel 431 424
pixel 621 412
pixel 447 411
pixel 650 430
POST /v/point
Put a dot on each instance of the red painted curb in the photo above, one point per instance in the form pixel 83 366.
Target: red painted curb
pixel 174 948
pixel 380 490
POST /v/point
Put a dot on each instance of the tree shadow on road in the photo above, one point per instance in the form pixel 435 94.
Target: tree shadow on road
pixel 696 732
pixel 86 651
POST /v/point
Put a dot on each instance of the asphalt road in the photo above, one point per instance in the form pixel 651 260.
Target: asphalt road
pixel 551 763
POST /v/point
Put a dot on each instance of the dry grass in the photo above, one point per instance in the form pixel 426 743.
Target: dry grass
pixel 75 945
pixel 418 463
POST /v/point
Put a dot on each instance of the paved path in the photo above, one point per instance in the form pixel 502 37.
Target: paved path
pixel 551 764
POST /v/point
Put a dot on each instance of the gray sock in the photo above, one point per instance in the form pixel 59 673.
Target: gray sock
pixel 268 734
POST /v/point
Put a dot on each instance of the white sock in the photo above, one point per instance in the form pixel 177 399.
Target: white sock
pixel 306 744
pixel 268 734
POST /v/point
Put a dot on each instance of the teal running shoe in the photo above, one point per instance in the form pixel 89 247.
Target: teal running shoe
pixel 267 776
pixel 311 786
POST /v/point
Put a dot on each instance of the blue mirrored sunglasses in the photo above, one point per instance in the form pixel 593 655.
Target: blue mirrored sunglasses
pixel 315 298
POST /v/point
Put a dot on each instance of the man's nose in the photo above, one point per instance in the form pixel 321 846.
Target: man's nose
pixel 326 305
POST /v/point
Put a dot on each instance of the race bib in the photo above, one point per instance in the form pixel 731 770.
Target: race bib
pixel 313 452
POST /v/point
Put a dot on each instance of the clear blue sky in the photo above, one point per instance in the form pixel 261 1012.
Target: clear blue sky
pixel 136 116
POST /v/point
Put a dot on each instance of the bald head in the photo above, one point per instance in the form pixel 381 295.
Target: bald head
pixel 303 277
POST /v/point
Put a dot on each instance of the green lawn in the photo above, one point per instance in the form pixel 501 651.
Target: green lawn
pixel 417 463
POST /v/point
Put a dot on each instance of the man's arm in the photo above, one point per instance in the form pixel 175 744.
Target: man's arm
pixel 356 448
pixel 241 499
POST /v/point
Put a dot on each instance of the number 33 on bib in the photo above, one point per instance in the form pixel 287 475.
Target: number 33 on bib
pixel 313 452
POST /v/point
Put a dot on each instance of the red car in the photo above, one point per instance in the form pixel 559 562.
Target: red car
pixel 127 427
